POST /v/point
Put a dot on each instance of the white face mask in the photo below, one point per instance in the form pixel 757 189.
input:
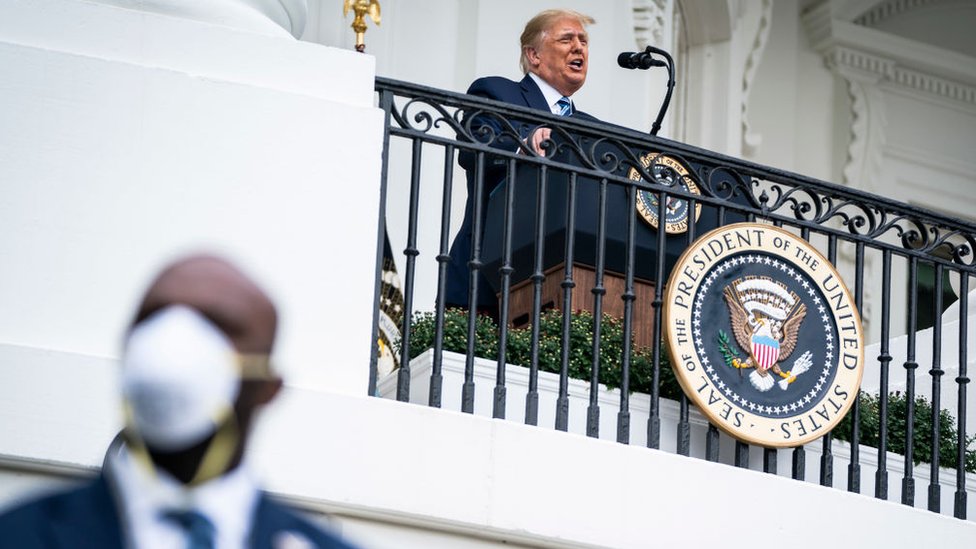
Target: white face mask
pixel 179 378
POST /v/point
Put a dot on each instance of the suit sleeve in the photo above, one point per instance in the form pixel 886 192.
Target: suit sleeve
pixel 487 128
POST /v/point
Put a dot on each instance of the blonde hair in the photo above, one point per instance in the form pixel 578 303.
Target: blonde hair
pixel 536 28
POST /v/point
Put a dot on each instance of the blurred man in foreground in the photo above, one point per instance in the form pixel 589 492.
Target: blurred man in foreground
pixel 195 369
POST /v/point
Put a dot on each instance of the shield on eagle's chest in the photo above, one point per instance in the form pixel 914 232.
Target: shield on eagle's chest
pixel 765 350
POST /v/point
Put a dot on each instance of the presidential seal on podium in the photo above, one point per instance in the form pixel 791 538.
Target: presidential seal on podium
pixel 763 334
pixel 670 172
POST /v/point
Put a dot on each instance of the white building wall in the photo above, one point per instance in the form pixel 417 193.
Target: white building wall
pixel 129 137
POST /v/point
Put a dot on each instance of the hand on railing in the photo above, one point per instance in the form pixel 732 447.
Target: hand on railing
pixel 537 138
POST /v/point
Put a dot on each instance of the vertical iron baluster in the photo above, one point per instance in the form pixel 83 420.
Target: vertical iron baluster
pixel 562 401
pixel 684 428
pixel 741 454
pixel 935 489
pixel 403 378
pixel 827 461
pixel 443 258
pixel 881 476
pixel 959 508
pixel 623 415
pixel 908 480
pixel 538 276
pixel 799 471
pixel 386 103
pixel 854 467
pixel 712 437
pixel 769 460
pixel 593 410
pixel 827 454
pixel 684 425
pixel 474 269
pixel 711 443
pixel 654 418
pixel 498 407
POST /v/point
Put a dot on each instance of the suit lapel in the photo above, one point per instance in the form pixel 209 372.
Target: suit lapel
pixel 533 95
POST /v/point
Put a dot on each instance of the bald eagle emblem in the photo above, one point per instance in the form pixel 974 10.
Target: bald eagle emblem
pixel 765 317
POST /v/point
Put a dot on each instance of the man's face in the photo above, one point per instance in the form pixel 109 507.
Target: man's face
pixel 561 56
pixel 239 310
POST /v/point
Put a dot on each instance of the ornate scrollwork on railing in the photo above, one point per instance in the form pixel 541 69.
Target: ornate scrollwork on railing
pixel 953 243
pixel 613 153
pixel 859 218
pixel 422 121
pixel 907 228
pixel 726 183
pixel 804 204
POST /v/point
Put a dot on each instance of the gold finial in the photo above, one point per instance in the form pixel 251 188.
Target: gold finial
pixel 362 8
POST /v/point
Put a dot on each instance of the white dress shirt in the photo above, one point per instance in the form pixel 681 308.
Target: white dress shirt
pixel 552 96
pixel 228 502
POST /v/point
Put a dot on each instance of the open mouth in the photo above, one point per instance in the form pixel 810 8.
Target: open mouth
pixel 576 64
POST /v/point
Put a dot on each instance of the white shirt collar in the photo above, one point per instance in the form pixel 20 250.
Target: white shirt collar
pixel 552 96
pixel 228 501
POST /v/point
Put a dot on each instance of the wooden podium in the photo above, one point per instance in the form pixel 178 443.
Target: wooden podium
pixel 642 320
pixel 541 215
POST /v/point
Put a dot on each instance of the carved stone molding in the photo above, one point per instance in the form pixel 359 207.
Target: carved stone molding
pixel 751 140
pixel 919 68
pixel 872 66
pixel 867 133
pixel 934 85
pixel 884 10
pixel 650 18
pixel 858 64
pixel 276 17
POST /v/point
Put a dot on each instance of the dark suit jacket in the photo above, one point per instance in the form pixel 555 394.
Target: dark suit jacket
pixel 525 93
pixel 88 517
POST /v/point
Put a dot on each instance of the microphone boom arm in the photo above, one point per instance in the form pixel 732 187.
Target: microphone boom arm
pixel 667 98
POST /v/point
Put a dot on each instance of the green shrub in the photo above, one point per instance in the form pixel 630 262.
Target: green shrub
pixel 455 334
pixel 519 347
pixel 870 429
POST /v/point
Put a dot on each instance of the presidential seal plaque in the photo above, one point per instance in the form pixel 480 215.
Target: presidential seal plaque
pixel 764 335
pixel 672 173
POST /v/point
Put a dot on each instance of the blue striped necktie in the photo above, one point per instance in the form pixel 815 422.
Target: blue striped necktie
pixel 565 107
pixel 198 529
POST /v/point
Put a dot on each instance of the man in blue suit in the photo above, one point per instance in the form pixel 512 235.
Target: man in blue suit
pixel 195 370
pixel 555 55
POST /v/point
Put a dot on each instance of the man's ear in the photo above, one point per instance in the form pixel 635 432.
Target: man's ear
pixel 532 55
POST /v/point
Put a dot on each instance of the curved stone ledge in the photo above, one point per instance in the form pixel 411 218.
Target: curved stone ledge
pixel 275 17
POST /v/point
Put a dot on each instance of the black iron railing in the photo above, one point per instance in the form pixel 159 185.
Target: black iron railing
pixel 878 243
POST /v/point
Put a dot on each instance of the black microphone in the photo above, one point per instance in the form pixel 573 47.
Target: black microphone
pixel 638 60
pixel 643 60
